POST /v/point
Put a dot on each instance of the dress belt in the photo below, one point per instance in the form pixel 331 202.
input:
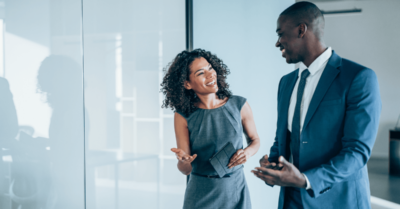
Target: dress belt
pixel 214 176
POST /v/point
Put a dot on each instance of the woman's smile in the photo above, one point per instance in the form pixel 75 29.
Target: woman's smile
pixel 212 83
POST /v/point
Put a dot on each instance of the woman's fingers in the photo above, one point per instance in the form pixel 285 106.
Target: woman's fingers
pixel 177 151
pixel 239 162
pixel 241 159
pixel 233 158
pixel 185 157
pixel 236 156
pixel 194 156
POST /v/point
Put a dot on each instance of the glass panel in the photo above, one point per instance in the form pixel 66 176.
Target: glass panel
pixel 41 105
pixel 127 43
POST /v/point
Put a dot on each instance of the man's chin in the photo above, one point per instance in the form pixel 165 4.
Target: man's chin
pixel 290 61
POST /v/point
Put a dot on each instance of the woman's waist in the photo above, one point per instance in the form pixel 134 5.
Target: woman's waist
pixel 210 171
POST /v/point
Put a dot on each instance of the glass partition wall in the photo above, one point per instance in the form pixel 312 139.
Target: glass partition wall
pixel 127 43
pixel 81 124
pixel 41 111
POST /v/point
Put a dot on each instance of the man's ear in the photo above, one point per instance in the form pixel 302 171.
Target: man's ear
pixel 302 30
pixel 187 85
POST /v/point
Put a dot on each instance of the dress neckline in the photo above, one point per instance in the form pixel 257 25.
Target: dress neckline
pixel 217 107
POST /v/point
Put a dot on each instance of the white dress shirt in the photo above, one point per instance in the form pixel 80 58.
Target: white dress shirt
pixel 316 69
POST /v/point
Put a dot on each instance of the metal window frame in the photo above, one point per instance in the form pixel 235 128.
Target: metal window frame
pixel 189 25
pixel 334 12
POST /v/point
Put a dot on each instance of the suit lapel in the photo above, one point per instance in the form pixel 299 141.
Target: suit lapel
pixel 285 102
pixel 328 76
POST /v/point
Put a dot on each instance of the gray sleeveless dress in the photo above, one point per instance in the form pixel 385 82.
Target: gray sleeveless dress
pixel 209 131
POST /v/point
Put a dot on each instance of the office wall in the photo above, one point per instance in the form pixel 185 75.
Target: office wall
pixel 242 34
pixel 371 38
pixel 41 104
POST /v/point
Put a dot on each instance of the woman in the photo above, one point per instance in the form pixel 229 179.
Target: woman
pixel 207 116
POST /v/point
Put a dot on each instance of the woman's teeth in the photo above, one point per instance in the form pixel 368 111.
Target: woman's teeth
pixel 211 83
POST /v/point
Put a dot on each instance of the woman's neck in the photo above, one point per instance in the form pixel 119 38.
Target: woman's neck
pixel 209 101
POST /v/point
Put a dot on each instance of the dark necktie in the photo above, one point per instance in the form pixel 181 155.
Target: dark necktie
pixel 295 135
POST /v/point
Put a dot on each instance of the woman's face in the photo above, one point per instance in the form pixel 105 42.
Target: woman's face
pixel 202 78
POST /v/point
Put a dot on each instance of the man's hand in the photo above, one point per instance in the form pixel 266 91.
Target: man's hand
pixel 182 156
pixel 240 157
pixel 289 176
pixel 265 163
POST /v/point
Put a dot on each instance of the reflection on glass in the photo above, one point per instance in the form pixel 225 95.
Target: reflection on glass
pixel 41 105
pixel 46 120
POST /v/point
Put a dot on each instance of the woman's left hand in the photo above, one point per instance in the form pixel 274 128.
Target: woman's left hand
pixel 240 157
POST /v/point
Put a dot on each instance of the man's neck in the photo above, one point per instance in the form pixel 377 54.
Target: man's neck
pixel 313 52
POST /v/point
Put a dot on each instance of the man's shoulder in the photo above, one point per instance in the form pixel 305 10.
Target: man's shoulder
pixel 353 69
pixel 352 66
pixel 290 75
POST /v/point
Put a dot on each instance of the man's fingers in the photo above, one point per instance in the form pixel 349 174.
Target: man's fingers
pixel 283 161
pixel 264 161
pixel 268 171
pixel 268 179
pixel 264 158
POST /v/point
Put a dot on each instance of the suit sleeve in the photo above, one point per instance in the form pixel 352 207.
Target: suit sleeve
pixel 274 152
pixel 363 107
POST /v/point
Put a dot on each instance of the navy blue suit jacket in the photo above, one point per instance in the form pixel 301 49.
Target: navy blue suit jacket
pixel 338 134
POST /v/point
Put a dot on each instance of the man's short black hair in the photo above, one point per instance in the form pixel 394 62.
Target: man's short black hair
pixel 308 13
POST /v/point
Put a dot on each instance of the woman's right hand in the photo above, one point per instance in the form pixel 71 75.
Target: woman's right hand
pixel 182 156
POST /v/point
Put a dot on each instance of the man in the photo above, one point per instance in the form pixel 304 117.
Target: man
pixel 328 114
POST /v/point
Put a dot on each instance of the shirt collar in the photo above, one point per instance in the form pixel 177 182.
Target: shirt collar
pixel 318 63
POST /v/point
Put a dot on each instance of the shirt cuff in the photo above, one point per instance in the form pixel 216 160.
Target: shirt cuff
pixel 308 185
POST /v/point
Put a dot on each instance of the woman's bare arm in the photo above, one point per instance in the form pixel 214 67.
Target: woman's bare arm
pixel 253 140
pixel 183 144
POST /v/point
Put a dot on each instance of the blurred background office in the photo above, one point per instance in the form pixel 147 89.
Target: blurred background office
pixel 81 124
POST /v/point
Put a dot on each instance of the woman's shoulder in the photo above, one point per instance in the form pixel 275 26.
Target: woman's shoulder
pixel 187 116
pixel 237 101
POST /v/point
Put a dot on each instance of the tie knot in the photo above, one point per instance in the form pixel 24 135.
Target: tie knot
pixel 305 74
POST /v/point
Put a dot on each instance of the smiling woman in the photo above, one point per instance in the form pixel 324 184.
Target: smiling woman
pixel 179 84
pixel 209 122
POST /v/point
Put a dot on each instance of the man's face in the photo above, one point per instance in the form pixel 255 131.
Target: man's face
pixel 288 40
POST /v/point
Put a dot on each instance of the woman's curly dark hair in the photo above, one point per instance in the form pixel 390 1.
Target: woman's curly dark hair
pixel 177 97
